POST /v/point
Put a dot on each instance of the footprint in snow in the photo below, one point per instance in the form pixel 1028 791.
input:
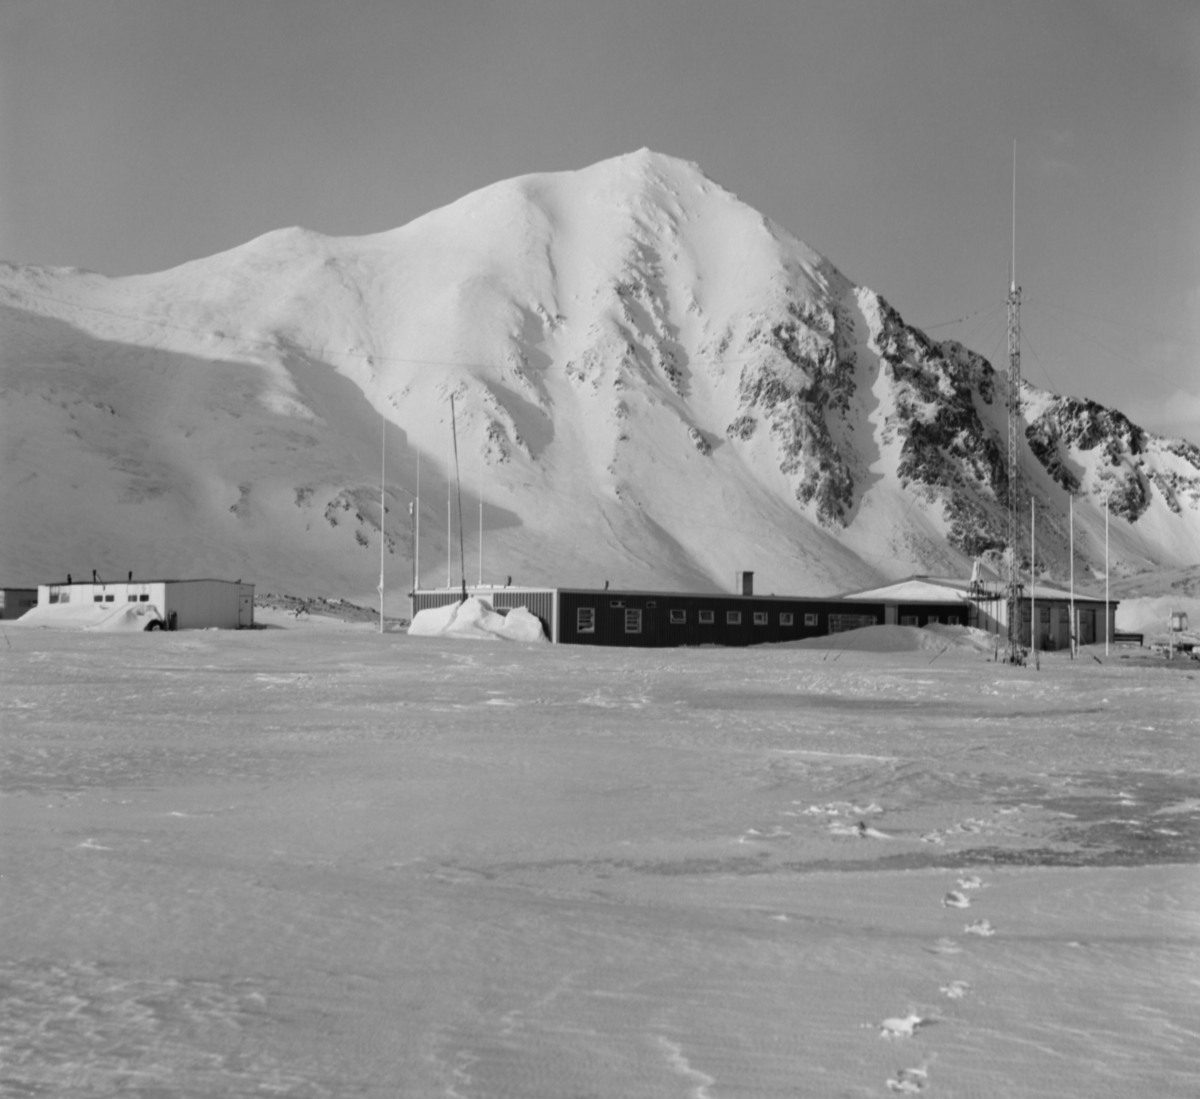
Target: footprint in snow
pixel 955 899
pixel 901 1026
pixel 970 881
pixel 955 990
pixel 945 947
pixel 980 927
pixel 908 1081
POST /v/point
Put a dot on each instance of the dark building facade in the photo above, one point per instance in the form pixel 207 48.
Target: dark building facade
pixel 642 619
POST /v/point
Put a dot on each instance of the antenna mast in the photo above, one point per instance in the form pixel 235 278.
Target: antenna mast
pixel 1014 435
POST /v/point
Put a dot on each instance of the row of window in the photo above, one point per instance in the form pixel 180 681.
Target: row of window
pixel 933 619
pixel 65 597
pixel 585 618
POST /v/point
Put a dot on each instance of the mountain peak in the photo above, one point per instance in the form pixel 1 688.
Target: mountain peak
pixel 654 384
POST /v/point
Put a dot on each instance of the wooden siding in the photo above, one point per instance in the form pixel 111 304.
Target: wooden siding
pixel 613 624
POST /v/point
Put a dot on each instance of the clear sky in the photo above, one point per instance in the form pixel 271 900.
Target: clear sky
pixel 138 134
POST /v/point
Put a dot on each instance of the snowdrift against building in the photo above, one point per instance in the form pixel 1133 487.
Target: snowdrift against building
pixel 473 618
pixel 124 618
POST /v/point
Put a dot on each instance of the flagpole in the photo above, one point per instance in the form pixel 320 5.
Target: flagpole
pixel 382 509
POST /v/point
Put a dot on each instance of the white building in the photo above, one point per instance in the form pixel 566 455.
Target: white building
pixel 1095 620
pixel 145 604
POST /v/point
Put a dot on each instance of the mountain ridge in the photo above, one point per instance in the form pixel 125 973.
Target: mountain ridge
pixel 656 385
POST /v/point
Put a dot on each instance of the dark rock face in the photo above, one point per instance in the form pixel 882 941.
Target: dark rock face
pixel 801 376
pixel 1083 425
pixel 948 447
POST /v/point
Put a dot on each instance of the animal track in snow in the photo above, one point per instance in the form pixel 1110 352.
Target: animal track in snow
pixel 970 881
pixel 955 990
pixel 955 899
pixel 980 927
pixel 901 1026
pixel 945 946
pixel 908 1081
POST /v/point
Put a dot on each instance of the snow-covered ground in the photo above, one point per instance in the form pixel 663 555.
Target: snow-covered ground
pixel 328 862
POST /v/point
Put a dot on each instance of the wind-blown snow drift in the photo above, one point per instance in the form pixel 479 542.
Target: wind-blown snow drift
pixel 655 385
pixel 472 618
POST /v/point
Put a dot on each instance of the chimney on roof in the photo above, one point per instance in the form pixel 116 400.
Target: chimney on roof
pixel 744 583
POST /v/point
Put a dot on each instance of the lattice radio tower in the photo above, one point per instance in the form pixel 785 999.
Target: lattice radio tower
pixel 1014 434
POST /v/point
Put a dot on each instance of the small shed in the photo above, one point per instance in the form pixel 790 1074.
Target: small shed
pixel 14 602
pixel 145 604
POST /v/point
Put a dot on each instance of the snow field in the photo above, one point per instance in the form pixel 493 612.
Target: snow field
pixel 318 862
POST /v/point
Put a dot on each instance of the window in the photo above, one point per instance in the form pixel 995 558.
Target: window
pixel 908 620
pixel 64 598
pixel 1044 614
pixel 144 597
pixel 785 619
pixel 131 597
pixel 733 618
pixel 651 603
pixel 810 619
pixel 678 618
pixel 760 618
pixel 617 603
pixel 585 620
pixel 109 598
pixel 706 618
pixel 932 620
pixel 840 622
pixel 633 621
pixel 53 597
pixel 952 620
pixel 97 599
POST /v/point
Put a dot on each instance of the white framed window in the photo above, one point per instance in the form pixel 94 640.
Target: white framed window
pixel 810 619
pixel 633 620
pixel 760 618
pixel 932 620
pixel 785 619
pixel 585 620
pixel 678 617
pixel 908 620
pixel 64 598
pixel 707 618
pixel 733 618
pixel 952 620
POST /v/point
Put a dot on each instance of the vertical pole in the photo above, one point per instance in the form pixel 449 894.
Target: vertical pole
pixel 449 537
pixel 1106 569
pixel 382 509
pixel 481 518
pixel 1071 635
pixel 417 529
pixel 462 550
pixel 1032 578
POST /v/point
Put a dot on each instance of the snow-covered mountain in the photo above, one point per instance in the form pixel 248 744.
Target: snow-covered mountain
pixel 654 385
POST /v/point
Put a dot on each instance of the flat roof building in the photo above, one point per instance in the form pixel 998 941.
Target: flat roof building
pixel 145 605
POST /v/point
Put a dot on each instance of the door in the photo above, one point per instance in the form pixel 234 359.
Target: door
pixel 245 610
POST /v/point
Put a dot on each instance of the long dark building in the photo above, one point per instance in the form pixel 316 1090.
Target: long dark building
pixel 653 619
